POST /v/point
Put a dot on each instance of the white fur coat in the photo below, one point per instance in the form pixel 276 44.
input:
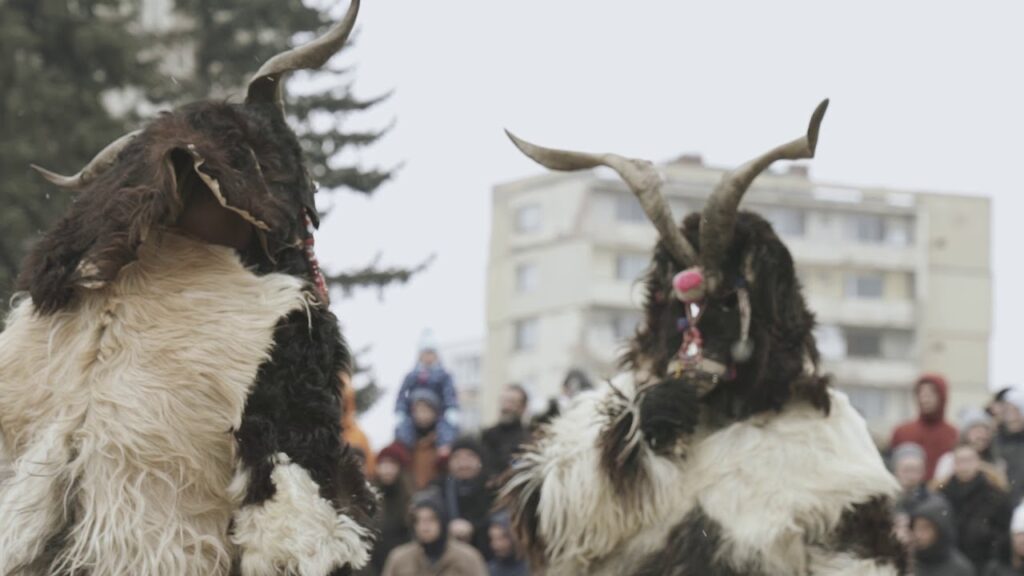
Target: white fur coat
pixel 777 484
pixel 116 428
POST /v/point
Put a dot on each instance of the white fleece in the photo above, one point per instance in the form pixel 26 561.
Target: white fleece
pixel 297 531
pixel 127 402
pixel 775 483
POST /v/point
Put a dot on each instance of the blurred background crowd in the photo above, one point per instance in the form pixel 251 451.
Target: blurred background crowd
pixel 959 512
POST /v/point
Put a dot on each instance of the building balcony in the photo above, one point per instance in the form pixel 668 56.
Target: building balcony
pixel 878 372
pixel 813 252
pixel 879 313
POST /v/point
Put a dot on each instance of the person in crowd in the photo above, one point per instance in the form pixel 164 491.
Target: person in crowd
pixel 395 488
pixel 981 511
pixel 1010 441
pixel 507 559
pixel 426 412
pixel 977 429
pixel 1011 561
pixel 467 498
pixel 501 441
pixel 908 466
pixel 428 374
pixel 432 552
pixel 576 381
pixel 930 430
pixel 351 432
pixel 996 406
pixel 934 542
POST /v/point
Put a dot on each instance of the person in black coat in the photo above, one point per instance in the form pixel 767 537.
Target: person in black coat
pixel 394 484
pixel 501 441
pixel 935 553
pixel 981 510
pixel 1011 561
pixel 467 498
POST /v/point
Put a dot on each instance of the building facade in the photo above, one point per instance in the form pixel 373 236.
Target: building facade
pixel 464 361
pixel 900 281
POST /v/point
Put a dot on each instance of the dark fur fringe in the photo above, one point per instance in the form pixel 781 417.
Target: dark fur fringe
pixel 658 417
pixel 866 531
pixel 780 327
pixel 520 495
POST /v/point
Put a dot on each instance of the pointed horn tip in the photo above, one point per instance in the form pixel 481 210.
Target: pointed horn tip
pixel 55 178
pixel 530 150
pixel 815 125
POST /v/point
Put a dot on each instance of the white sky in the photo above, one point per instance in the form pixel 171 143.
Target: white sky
pixel 923 96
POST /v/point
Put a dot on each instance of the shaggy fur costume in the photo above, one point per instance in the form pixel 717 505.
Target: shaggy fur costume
pixel 786 493
pixel 134 450
pixel 722 450
pixel 762 472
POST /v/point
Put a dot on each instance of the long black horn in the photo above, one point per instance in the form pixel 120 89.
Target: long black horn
pixel 639 175
pixel 719 218
pixel 265 86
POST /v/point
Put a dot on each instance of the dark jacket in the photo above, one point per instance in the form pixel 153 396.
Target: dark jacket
pixel 910 500
pixel 982 514
pixel 508 567
pixel 470 500
pixel 1010 447
pixel 941 558
pixel 392 521
pixel 998 568
pixel 499 443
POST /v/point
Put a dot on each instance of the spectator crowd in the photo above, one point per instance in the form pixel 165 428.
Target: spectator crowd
pixel 438 487
pixel 959 513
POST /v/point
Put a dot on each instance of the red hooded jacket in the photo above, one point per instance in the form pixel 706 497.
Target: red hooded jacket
pixel 931 431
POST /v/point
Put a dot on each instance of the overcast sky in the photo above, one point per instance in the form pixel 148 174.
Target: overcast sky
pixel 925 96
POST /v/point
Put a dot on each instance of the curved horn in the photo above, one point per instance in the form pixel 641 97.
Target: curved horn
pixel 719 217
pixel 639 175
pixel 98 164
pixel 265 86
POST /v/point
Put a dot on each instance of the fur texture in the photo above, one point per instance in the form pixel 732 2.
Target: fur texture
pixel 780 326
pixel 248 152
pixel 297 517
pixel 692 549
pixel 783 524
pixel 122 449
pixel 292 424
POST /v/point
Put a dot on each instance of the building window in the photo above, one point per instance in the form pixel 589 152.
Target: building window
pixel 865 285
pixel 867 228
pixel 629 267
pixel 527 333
pixel 628 209
pixel 527 278
pixel 790 222
pixel 528 218
pixel 863 343
pixel 869 401
pixel 899 232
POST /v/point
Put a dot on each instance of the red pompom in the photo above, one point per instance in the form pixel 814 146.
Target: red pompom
pixel 688 285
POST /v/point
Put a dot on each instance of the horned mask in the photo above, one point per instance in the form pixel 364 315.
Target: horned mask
pixel 244 155
pixel 698 277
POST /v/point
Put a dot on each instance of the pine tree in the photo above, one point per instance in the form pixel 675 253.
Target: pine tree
pixel 60 62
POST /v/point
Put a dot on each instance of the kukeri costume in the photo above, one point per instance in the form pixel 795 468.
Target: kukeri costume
pixel 170 406
pixel 721 450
